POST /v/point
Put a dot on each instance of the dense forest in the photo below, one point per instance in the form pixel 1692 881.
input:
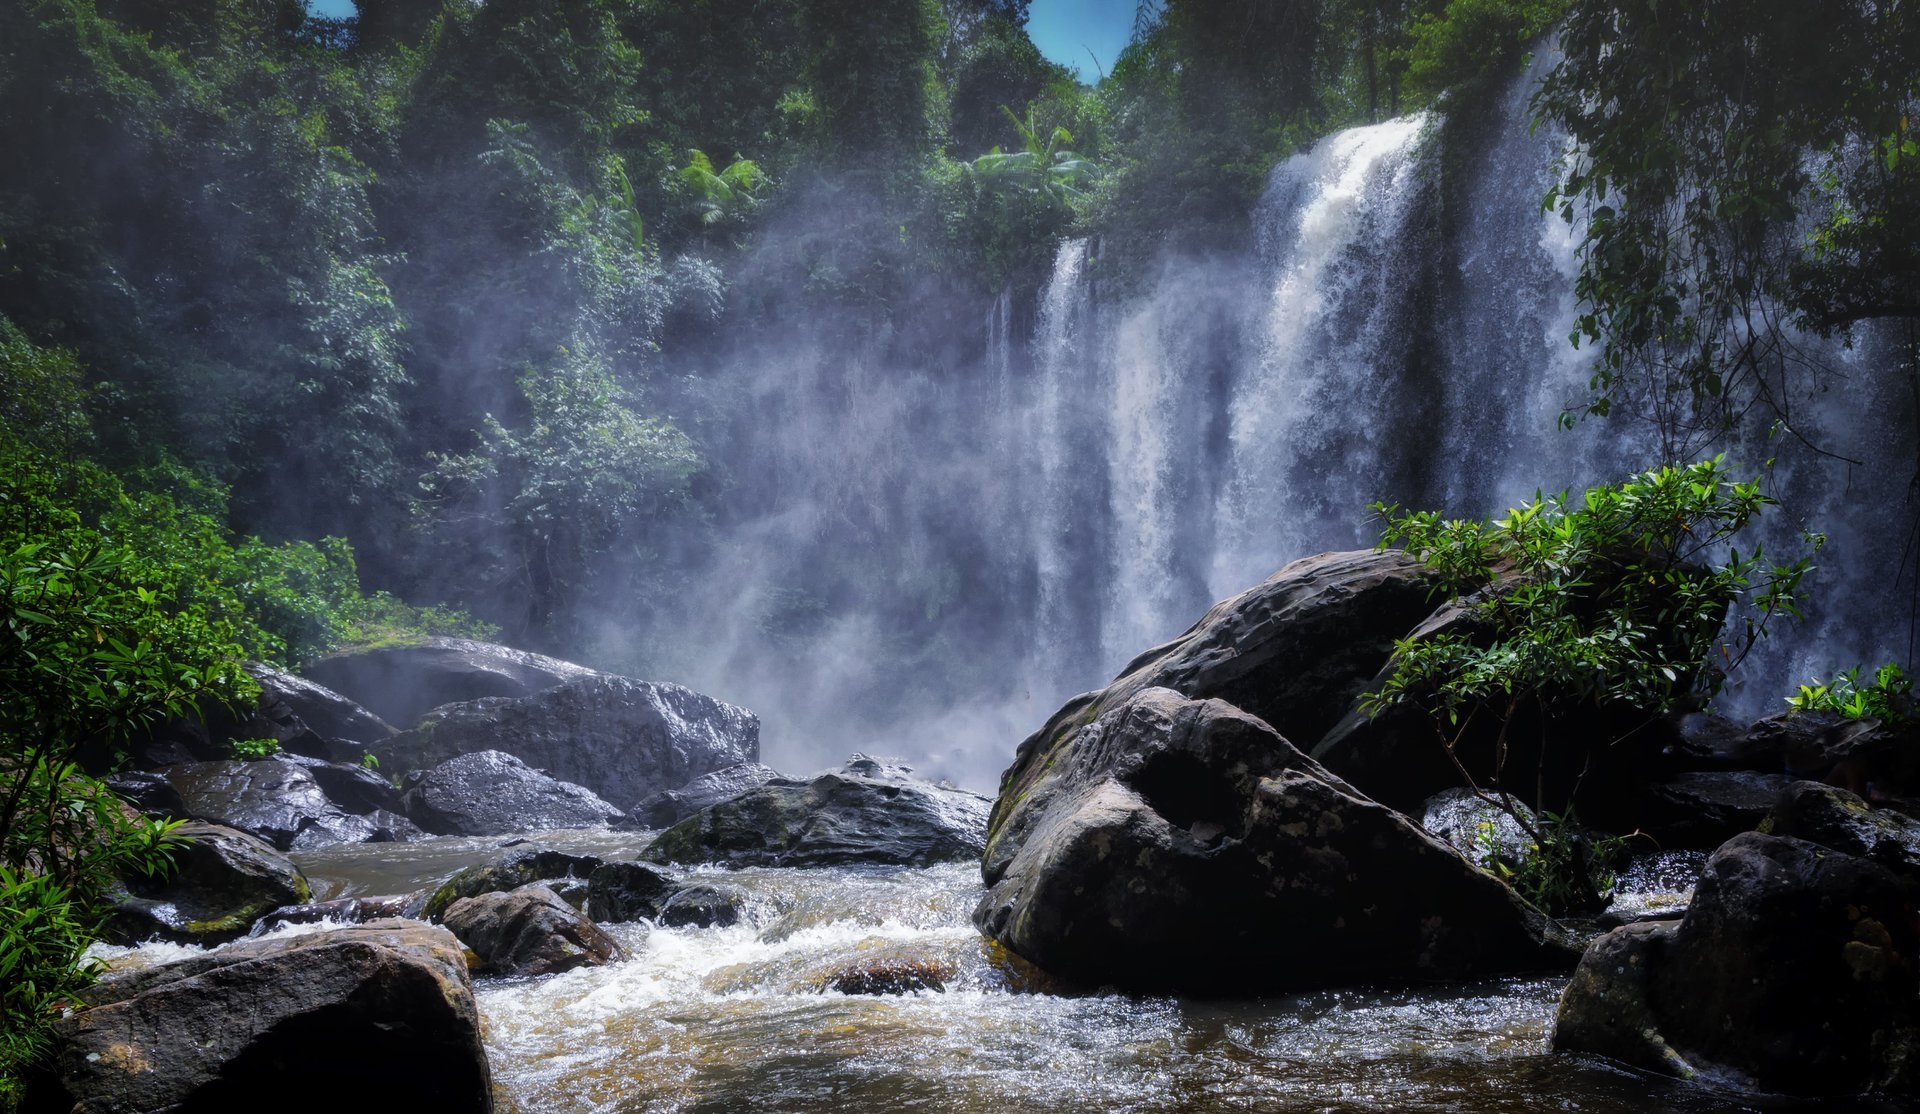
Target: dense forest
pixel 303 318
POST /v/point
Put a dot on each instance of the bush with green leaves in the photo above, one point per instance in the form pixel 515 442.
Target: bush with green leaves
pixel 1888 697
pixel 1633 599
pixel 95 644
pixel 123 602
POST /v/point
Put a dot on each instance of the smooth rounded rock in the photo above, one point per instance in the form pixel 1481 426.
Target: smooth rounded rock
pixel 494 793
pixel 384 1011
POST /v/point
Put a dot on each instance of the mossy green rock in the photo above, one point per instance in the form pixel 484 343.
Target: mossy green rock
pixel 225 881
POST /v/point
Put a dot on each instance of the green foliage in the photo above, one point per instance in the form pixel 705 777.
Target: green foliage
pixel 581 475
pixel 730 193
pixel 1620 598
pixel 1469 42
pixel 253 750
pixel 1563 869
pixel 1738 169
pixel 1043 166
pixel 1623 600
pixel 1888 697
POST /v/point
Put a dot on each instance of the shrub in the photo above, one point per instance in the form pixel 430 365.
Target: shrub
pixel 1622 600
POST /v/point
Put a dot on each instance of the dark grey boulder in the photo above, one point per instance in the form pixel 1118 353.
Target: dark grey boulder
pixel 619 737
pixel 223 882
pixel 340 910
pixel 510 873
pixel 623 891
pixel 1832 817
pixel 276 799
pixel 704 905
pixel 865 812
pixel 401 683
pixel 283 1023
pixel 670 806
pixel 1295 651
pixel 493 793
pixel 1706 808
pixel 326 713
pixel 1182 845
pixel 150 792
pixel 529 931
pixel 1793 971
pixel 352 786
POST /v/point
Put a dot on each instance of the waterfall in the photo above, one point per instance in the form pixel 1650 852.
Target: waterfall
pixel 1029 511
pixel 1313 420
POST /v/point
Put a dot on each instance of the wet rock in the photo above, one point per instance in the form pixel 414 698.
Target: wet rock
pixel 1710 741
pixel 341 910
pixel 510 873
pixel 624 891
pixel 1705 809
pixel 287 698
pixel 883 977
pixel 1789 742
pixel 274 798
pixel 669 807
pixel 149 792
pixel 621 738
pixel 529 931
pixel 1793 971
pixel 1295 651
pixel 401 683
pixel 862 813
pixel 267 1023
pixel 1480 831
pixel 703 905
pixel 1832 817
pixel 1172 844
pixel 352 787
pixel 224 880
pixel 493 793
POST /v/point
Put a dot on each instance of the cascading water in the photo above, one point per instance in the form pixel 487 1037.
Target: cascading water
pixel 1027 517
pixel 1315 419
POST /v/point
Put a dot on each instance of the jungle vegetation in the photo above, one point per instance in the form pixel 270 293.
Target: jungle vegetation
pixel 300 318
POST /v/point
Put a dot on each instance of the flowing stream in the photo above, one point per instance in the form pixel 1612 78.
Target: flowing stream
pixel 736 1019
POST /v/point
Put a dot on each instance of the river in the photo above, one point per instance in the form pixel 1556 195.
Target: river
pixel 736 1018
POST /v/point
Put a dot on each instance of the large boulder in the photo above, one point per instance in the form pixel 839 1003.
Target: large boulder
pixel 1793 971
pixel 401 683
pixel 223 881
pixel 1706 808
pixel 865 812
pixel 276 799
pixel 621 738
pixel 494 793
pixel 624 891
pixel 529 931
pixel 150 792
pixel 1184 845
pixel 1832 817
pixel 265 1024
pixel 353 787
pixel 1295 651
pixel 670 806
pixel 297 704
